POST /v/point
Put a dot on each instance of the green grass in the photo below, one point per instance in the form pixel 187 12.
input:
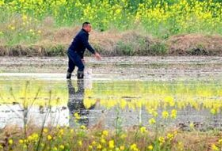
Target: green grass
pixel 36 23
pixel 161 18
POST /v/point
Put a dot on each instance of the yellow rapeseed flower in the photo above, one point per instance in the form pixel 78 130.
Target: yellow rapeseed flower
pixel 45 130
pixel 55 149
pixel 76 115
pixel 99 146
pixel 94 143
pixel 80 143
pixel 12 27
pixel 143 129
pixel 170 136
pixel 111 144
pixel 90 147
pixel 30 138
pixel 61 131
pixel 105 133
pixel 152 121
pixel 83 127
pixel 214 147
pixel 49 137
pixel 180 146
pixel 161 140
pixel 61 147
pixel 24 18
pixel 213 111
pixel 165 114
pixel 150 147
pixel 173 113
pixel 103 141
pixel 220 141
pixel 133 147
pixel 191 125
pixel 2 3
pixel 123 136
pixel 10 141
pixel 122 148
pixel 21 141
pixel 39 31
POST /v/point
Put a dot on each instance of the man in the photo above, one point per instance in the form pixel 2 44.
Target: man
pixel 77 49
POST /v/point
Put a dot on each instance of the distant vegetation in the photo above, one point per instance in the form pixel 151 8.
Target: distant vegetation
pixel 25 22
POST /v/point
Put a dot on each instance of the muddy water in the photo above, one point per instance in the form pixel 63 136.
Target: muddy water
pixel 131 79
pixel 122 68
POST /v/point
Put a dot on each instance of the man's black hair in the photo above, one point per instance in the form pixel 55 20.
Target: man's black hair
pixel 85 23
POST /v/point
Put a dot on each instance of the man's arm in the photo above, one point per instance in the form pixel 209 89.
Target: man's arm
pixel 86 43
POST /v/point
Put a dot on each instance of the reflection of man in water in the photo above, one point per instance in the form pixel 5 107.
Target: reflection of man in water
pixel 76 104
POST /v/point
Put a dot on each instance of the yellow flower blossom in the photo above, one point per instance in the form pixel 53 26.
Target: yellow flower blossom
pixel 103 141
pixel 165 114
pixel 173 113
pixel 62 147
pixel 143 129
pixel 105 133
pixel 80 143
pixel 21 141
pixel 152 121
pixel 214 147
pixel 99 146
pixel 161 140
pixel 122 148
pixel 49 137
pixel 133 147
pixel 77 116
pixel 111 144
pixel 45 130
pixel 10 141
pixel 150 147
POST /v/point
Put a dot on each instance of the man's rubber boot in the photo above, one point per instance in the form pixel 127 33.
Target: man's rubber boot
pixel 80 75
pixel 68 75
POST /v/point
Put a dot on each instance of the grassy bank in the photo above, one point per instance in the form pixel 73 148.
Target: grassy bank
pixel 122 27
pixel 55 42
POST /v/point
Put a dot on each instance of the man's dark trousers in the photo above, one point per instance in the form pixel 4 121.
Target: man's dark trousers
pixel 75 60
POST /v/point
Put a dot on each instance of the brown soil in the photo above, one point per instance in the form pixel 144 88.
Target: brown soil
pixel 114 43
pixel 195 44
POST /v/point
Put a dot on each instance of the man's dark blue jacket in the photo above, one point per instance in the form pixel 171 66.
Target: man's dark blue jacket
pixel 80 43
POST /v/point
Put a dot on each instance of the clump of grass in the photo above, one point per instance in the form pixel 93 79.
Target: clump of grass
pixel 57 50
pixel 158 48
pixel 125 49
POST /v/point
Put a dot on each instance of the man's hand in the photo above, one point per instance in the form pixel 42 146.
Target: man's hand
pixel 97 55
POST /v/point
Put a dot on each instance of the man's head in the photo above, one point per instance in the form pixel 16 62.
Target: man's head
pixel 86 26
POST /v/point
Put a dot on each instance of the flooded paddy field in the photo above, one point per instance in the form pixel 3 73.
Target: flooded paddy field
pixel 165 91
pixel 123 103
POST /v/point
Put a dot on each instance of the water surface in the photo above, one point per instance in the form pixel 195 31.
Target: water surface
pixel 124 91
